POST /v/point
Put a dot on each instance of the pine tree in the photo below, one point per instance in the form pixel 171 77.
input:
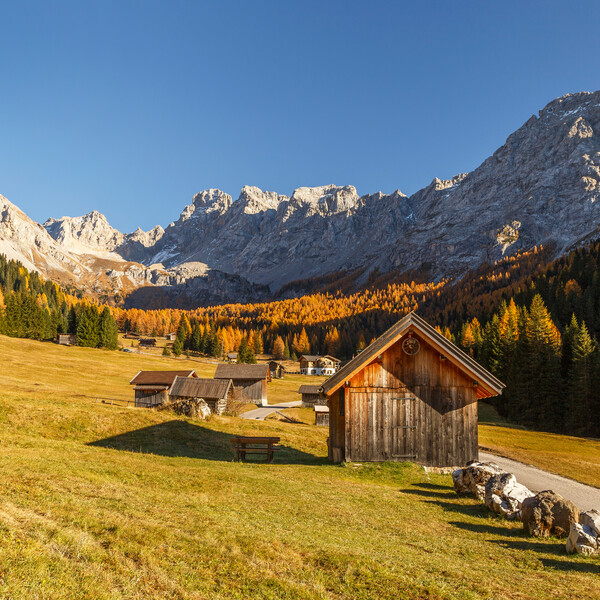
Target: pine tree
pixel 88 333
pixel 278 348
pixel 109 335
pixel 243 351
pixel 177 347
pixel 581 390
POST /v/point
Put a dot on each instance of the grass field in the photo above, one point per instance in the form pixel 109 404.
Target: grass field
pixel 577 458
pixel 110 502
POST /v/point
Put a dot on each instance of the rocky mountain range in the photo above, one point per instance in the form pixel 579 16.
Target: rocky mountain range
pixel 540 187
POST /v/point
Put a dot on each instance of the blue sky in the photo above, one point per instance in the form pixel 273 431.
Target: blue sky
pixel 132 107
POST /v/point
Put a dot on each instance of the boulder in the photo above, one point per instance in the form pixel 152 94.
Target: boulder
pixel 548 513
pixel 582 540
pixel 472 479
pixel 591 519
pixel 504 496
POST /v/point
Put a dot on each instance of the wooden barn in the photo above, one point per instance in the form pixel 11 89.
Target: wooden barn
pixel 232 357
pixel 148 342
pixel 215 392
pixel 276 369
pixel 321 415
pixel 171 337
pixel 66 339
pixel 311 395
pixel 152 387
pixel 409 396
pixel 248 380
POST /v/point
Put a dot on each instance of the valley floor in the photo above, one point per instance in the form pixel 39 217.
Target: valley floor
pixel 102 501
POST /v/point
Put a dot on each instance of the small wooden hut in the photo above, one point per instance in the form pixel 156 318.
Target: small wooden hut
pixel 66 339
pixel 250 381
pixel 148 342
pixel 277 369
pixel 171 337
pixel 311 395
pixel 321 415
pixel 215 392
pixel 232 357
pixel 152 387
pixel 409 396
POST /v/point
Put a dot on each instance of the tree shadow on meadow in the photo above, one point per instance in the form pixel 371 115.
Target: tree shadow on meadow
pixel 183 439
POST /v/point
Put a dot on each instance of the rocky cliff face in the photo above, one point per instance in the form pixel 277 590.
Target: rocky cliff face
pixel 540 187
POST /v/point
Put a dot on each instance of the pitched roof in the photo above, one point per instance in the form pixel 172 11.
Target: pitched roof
pixel 196 387
pixel 489 385
pixel 160 377
pixel 309 389
pixel 333 358
pixel 242 371
pixel 277 364
pixel 322 408
pixel 310 357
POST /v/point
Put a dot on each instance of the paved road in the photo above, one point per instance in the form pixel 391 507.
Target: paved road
pixel 264 411
pixel 585 497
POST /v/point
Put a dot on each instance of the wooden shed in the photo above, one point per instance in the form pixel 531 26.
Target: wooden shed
pixel 215 392
pixel 321 415
pixel 276 369
pixel 250 381
pixel 409 396
pixel 66 339
pixel 152 387
pixel 148 342
pixel 311 395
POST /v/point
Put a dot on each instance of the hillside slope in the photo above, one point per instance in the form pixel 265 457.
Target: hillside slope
pixel 106 502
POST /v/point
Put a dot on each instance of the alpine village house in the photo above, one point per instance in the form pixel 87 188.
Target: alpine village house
pixel 409 396
pixel 318 365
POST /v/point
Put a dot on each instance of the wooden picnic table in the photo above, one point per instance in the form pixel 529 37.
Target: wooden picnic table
pixel 243 445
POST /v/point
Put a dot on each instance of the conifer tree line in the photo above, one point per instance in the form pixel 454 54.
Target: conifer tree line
pixel 33 308
pixel 552 379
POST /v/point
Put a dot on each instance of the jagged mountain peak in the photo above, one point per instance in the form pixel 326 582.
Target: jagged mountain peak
pixel 88 233
pixel 253 200
pixel 326 199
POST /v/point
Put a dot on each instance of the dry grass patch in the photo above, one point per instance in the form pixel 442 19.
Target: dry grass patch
pixel 574 457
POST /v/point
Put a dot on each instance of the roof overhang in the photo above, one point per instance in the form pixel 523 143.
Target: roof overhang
pixel 487 384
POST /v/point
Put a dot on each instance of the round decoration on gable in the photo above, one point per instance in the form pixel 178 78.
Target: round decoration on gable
pixel 411 346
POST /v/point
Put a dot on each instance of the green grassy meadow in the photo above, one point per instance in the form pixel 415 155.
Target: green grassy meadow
pixel 103 501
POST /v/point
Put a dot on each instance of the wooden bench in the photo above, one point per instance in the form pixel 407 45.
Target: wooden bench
pixel 254 445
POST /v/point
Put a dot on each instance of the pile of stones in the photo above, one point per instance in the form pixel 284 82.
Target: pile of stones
pixel 544 514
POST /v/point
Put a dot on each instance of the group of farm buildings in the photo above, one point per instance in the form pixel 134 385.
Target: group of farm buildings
pixel 411 395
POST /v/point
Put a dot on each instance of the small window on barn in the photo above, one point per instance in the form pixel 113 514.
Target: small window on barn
pixel 342 405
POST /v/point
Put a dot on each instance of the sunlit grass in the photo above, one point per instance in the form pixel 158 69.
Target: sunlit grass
pixel 100 501
pixel 569 456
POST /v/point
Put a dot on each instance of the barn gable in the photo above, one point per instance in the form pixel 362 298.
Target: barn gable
pixel 487 384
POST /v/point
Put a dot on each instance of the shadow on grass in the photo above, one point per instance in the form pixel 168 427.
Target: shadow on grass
pixel 569 565
pixel 430 490
pixel 488 528
pixel 182 439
